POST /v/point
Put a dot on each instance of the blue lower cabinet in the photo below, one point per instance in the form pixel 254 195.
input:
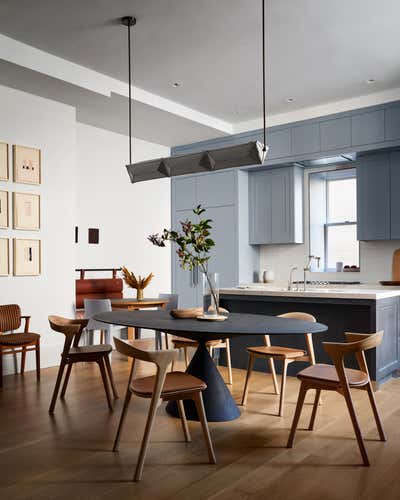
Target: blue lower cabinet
pixel 395 196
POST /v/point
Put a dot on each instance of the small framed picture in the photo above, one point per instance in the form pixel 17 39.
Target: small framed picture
pixel 3 161
pixel 26 214
pixel 4 257
pixel 26 162
pixel 27 257
pixel 3 209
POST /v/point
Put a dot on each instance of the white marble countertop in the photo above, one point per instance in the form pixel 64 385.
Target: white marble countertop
pixel 364 291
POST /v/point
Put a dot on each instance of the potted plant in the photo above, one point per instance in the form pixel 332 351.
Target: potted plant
pixel 194 245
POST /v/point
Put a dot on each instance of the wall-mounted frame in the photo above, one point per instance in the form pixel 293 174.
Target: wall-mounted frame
pixel 4 209
pixel 27 257
pixel 4 256
pixel 26 211
pixel 4 161
pixel 26 165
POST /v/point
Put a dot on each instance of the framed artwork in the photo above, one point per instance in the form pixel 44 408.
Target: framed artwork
pixel 3 161
pixel 3 209
pixel 26 163
pixel 4 257
pixel 26 214
pixel 27 257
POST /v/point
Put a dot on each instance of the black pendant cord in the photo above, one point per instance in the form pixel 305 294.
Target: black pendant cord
pixel 264 78
pixel 130 93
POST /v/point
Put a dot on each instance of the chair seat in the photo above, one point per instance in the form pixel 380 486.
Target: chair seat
pixel 175 382
pixel 282 352
pixel 10 339
pixel 328 373
pixel 90 349
pixel 193 343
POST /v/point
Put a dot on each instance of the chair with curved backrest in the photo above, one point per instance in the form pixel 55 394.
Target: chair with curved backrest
pixel 163 386
pixel 13 343
pixel 341 379
pixel 73 353
pixel 182 343
pixel 173 299
pixel 93 307
pixel 285 354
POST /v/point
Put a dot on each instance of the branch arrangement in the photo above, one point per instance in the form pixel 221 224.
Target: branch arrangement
pixel 139 283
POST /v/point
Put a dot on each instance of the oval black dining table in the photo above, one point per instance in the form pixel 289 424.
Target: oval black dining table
pixel 218 401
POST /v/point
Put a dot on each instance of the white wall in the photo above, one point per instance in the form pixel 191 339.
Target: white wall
pixel 125 213
pixel 375 256
pixel 50 126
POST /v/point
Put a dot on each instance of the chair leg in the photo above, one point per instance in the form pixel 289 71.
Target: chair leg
pixel 315 408
pixel 157 335
pixel 186 357
pixel 228 361
pixel 23 358
pixel 356 426
pixel 299 407
pixel 272 369
pixel 379 425
pixel 246 384
pixel 198 400
pixel 145 442
pixel 57 387
pixel 101 336
pixel 283 386
pixel 110 376
pixel 37 354
pixel 105 382
pixel 166 341
pixel 122 419
pixel 1 367
pixel 66 380
pixel 185 426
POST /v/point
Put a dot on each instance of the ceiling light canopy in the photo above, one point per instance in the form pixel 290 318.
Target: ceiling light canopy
pixel 240 155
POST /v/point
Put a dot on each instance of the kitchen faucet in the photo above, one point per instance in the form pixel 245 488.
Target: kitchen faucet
pixel 290 282
pixel 308 268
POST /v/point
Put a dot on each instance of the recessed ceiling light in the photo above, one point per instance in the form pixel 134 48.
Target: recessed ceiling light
pixel 290 99
pixel 370 81
pixel 176 84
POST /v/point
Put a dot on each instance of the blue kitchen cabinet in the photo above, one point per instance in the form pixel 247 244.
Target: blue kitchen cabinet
pixel 392 123
pixel 373 197
pixel 276 206
pixel 224 195
pixel 306 139
pixel 368 127
pixel 395 195
pixel 335 134
pixel 280 143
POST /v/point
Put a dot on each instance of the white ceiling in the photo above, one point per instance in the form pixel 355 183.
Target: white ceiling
pixel 319 51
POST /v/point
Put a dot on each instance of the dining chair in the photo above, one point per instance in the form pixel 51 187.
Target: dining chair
pixel 182 343
pixel 93 307
pixel 172 303
pixel 14 343
pixel 286 355
pixel 163 386
pixel 340 379
pixel 73 353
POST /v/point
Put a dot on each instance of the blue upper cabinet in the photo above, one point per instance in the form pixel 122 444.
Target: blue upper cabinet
pixel 335 134
pixel 185 193
pixel 280 143
pixel 216 191
pixel 276 206
pixel 305 139
pixel 373 197
pixel 392 123
pixel 395 195
pixel 368 127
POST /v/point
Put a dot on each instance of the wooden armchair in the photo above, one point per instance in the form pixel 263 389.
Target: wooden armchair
pixel 13 343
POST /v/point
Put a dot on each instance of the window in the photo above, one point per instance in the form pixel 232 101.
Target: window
pixel 333 218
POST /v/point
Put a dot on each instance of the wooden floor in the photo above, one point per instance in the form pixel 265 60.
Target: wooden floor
pixel 69 455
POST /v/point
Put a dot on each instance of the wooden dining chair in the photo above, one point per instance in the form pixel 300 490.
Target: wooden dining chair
pixel 340 379
pixel 14 343
pixel 163 386
pixel 286 355
pixel 73 353
pixel 182 343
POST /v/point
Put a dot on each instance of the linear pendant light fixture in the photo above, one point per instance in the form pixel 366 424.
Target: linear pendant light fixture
pixel 240 155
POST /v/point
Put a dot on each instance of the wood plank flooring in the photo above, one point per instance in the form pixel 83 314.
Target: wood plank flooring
pixel 68 455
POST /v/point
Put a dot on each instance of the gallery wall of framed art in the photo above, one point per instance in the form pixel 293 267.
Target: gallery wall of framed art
pixel 20 211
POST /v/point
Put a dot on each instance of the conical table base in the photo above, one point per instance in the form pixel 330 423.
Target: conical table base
pixel 218 401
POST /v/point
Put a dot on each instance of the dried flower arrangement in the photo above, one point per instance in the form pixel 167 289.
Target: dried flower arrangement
pixel 138 283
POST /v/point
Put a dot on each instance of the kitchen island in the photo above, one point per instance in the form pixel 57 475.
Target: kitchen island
pixel 361 309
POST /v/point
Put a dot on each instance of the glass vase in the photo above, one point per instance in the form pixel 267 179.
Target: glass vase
pixel 210 294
